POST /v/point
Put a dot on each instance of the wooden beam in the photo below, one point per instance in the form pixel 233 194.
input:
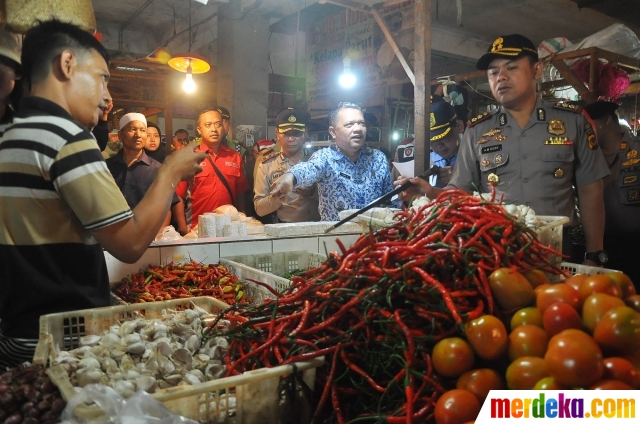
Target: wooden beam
pixel 349 4
pixel 168 116
pixel 571 78
pixel 151 111
pixel 593 78
pixel 422 90
pixel 394 46
pixel 633 88
pixel 462 77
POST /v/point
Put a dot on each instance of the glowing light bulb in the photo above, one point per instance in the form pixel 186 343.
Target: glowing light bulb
pixel 347 79
pixel 396 136
pixel 188 85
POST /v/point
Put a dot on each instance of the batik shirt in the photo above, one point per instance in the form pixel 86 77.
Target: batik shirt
pixel 343 184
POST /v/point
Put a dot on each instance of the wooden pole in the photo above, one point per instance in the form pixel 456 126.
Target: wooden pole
pixel 394 46
pixel 168 115
pixel 422 87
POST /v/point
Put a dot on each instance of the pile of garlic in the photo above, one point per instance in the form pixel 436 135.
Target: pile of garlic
pixel 147 355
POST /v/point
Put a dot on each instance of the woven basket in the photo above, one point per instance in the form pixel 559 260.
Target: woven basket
pixel 21 15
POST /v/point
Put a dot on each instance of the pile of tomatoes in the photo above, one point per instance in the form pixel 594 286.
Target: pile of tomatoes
pixel 583 333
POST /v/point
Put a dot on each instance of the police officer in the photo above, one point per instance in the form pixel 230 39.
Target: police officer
pixel 621 191
pixel 301 204
pixel 531 151
pixel 443 136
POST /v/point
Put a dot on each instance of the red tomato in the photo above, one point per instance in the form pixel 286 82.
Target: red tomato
pixel 625 283
pixel 548 383
pixel 457 406
pixel 452 356
pixel 488 336
pixel 536 277
pixel 557 293
pixel 633 302
pixel 622 370
pixel 594 308
pixel 525 372
pixel 600 283
pixel 510 289
pixel 480 382
pixel 574 359
pixel 527 340
pixel 610 385
pixel 618 332
pixel 526 316
pixel 559 317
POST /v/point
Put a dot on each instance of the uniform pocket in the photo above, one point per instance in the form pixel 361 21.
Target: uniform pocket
pixel 557 153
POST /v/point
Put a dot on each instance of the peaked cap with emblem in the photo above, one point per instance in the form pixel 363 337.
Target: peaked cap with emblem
pixel 442 117
pixel 224 112
pixel 600 108
pixel 511 46
pixel 292 119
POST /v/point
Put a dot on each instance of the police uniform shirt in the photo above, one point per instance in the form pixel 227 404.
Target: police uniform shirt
pixel 534 166
pixel 622 191
pixel 297 208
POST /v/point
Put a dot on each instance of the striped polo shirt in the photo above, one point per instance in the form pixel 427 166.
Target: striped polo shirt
pixel 54 189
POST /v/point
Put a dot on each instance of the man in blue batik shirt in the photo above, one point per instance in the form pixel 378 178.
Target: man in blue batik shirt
pixel 349 175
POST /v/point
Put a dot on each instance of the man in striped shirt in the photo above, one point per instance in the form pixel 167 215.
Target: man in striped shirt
pixel 59 205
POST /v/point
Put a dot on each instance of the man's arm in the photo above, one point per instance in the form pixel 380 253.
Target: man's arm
pixel 128 240
pixel 181 220
pixel 592 215
pixel 263 202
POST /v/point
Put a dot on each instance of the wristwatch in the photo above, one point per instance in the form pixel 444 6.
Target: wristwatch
pixel 600 257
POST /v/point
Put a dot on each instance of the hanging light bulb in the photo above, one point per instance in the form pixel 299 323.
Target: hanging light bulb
pixel 188 85
pixel 347 79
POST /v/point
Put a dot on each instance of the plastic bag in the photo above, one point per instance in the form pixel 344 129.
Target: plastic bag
pixel 140 408
pixel 168 233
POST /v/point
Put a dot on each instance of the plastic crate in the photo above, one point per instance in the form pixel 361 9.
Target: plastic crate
pixel 550 233
pixel 249 398
pixel 246 274
pixel 280 263
pixel 574 269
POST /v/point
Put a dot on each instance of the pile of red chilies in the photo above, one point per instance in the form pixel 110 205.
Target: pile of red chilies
pixel 180 281
pixel 376 310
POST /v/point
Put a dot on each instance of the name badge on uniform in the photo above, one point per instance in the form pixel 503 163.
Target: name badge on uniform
pixel 490 149
pixel 348 177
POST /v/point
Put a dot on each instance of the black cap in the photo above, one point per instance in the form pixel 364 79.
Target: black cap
pixel 511 46
pixel 600 108
pixel 292 119
pixel 442 118
pixel 224 112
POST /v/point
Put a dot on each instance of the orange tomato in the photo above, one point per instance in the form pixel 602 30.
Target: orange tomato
pixel 548 383
pixel 456 406
pixel 480 382
pixel 618 331
pixel 526 316
pixel 625 283
pixel 600 283
pixel 576 280
pixel 622 370
pixel 574 359
pixel 527 340
pixel 487 336
pixel 452 356
pixel 510 289
pixel 594 308
pixel 557 293
pixel 633 302
pixel 559 317
pixel 536 277
pixel 525 372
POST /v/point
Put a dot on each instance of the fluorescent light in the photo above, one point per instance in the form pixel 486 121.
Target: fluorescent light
pixel 347 79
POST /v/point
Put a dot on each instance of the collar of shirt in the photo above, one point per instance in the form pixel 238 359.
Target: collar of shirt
pixel 203 148
pixel 31 105
pixel 533 119
pixel 338 155
pixel 143 158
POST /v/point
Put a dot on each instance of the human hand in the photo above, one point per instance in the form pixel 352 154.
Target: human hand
pixel 420 187
pixel 105 112
pixel 185 163
pixel 282 187
pixel 304 191
pixel 444 174
pixel 183 231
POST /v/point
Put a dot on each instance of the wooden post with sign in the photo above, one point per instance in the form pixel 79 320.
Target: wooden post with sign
pixel 422 87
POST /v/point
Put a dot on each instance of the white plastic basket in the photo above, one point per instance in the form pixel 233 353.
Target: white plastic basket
pixel 244 399
pixel 248 274
pixel 575 269
pixel 279 263
pixel 550 233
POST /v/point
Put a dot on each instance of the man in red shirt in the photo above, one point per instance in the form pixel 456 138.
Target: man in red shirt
pixel 222 180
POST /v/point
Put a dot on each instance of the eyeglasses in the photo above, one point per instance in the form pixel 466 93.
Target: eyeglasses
pixel 350 104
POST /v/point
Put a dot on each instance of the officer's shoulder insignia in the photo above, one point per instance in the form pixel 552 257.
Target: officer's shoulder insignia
pixel 480 118
pixel 568 107
pixel 269 156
